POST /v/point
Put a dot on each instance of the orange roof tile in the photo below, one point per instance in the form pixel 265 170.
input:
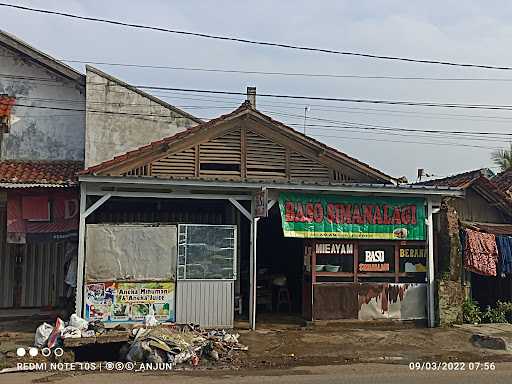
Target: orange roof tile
pixel 56 172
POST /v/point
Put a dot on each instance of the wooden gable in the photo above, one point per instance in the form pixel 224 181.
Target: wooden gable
pixel 248 150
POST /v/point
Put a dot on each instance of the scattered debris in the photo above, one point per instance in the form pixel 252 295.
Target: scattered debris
pixel 149 343
pixel 179 344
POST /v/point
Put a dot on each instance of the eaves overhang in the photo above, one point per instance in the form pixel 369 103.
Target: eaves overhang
pixel 345 188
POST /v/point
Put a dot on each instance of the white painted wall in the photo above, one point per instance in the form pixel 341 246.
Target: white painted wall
pixel 120 119
pixel 39 133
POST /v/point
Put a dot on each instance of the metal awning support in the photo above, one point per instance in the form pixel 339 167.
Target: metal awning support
pixel 84 213
pixel 253 241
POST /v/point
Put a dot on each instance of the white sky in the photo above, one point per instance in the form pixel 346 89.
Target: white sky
pixel 469 31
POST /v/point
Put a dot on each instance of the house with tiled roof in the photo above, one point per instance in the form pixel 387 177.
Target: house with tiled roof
pixel 44 107
pixel 504 181
pixel 42 123
pixel 263 218
pixel 485 208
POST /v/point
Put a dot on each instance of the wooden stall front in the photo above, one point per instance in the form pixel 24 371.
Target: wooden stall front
pixel 366 279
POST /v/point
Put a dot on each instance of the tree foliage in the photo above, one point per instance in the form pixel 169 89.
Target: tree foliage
pixel 503 158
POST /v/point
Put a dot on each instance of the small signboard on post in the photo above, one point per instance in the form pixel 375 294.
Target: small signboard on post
pixel 261 203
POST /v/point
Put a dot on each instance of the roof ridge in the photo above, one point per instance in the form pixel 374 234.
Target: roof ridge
pixel 165 140
pixel 15 43
pixel 244 107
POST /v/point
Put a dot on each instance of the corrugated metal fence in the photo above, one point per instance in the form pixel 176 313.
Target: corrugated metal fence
pixel 208 303
pixel 42 274
pixel 6 263
pixel 39 280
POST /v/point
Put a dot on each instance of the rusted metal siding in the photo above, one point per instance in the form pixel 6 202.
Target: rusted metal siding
pixel 42 275
pixel 209 303
pixel 6 263
pixel 370 301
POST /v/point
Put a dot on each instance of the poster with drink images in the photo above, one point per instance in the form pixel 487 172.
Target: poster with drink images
pixel 113 302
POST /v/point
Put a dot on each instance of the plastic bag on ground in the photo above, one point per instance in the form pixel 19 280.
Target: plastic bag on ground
pixel 43 333
pixel 71 332
pixel 88 333
pixel 150 321
pixel 55 335
pixel 77 322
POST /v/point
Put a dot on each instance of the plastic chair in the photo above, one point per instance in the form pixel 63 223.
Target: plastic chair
pixel 283 297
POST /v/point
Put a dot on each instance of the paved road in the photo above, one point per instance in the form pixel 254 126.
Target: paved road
pixel 356 374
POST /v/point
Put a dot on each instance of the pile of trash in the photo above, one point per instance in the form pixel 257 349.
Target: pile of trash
pixel 150 342
pixel 53 336
pixel 178 344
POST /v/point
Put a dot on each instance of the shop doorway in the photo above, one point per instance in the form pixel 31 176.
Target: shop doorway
pixel 280 268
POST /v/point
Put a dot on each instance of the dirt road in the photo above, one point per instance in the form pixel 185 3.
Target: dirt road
pixel 356 373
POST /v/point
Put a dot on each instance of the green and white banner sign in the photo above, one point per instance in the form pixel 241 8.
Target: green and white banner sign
pixel 351 217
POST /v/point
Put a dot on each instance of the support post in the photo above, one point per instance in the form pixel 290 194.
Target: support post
pixel 431 278
pixel 253 268
pixel 79 309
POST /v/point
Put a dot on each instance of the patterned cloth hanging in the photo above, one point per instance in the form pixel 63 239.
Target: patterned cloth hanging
pixel 480 252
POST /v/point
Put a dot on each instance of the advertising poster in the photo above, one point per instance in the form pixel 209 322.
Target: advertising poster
pixel 118 302
pixel 352 217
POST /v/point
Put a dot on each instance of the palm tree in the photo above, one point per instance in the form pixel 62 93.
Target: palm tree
pixel 503 157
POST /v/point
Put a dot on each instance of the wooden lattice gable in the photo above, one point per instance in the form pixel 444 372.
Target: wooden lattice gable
pixel 244 145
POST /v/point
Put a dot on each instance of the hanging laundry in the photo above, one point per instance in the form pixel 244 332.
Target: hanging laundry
pixel 505 253
pixel 480 253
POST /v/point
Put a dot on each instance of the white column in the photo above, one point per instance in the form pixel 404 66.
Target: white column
pixel 253 269
pixel 431 280
pixel 79 307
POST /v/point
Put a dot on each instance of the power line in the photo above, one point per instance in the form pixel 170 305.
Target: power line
pixel 292 74
pixel 347 100
pixel 434 139
pixel 387 127
pixel 469 135
pixel 326 136
pixel 257 42
pixel 344 100
pixel 344 124
pixel 403 141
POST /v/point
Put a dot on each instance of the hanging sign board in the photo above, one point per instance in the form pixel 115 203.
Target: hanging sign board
pixel 352 217
pixel 261 203
pixel 376 258
pixel 413 259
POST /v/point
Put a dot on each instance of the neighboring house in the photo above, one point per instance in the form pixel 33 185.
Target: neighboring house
pixel 45 137
pixel 42 148
pixel 485 208
pixel 504 181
